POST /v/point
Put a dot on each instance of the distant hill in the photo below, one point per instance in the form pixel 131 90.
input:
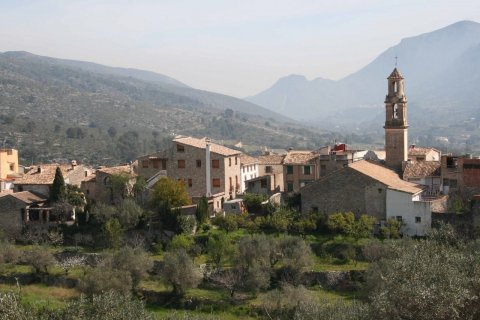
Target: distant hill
pixel 53 109
pixel 441 70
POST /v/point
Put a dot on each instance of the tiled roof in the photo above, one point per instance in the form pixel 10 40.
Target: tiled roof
pixel 46 174
pixel 202 144
pixel 271 159
pixel 415 169
pixel 26 197
pixel 395 74
pixel 116 170
pixel 246 160
pixel 299 157
pixel 419 151
pixel 90 178
pixel 385 176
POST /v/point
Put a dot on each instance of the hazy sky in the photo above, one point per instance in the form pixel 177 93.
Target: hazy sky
pixel 233 47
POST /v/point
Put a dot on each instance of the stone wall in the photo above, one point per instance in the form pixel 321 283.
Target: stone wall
pixel 344 191
pixel 11 215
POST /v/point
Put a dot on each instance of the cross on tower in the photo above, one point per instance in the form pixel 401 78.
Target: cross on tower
pixel 396 60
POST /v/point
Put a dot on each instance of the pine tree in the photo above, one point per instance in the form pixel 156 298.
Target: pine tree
pixel 58 192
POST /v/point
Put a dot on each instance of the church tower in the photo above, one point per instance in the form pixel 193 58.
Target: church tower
pixel 396 127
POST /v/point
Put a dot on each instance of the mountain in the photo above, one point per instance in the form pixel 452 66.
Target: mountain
pixel 53 109
pixel 441 70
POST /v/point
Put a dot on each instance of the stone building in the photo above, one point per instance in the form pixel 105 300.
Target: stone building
pixel 426 173
pixel 20 209
pixel 39 178
pixel 98 185
pixel 363 187
pixel 396 126
pixel 206 168
pixel 299 169
pixel 460 174
pixel 423 154
pixel 270 168
pixel 335 157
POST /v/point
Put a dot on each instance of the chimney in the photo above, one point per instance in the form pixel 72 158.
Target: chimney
pixel 208 167
pixel 39 169
pixel 74 164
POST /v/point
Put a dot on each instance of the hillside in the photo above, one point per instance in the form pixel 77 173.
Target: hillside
pixel 55 109
pixel 441 70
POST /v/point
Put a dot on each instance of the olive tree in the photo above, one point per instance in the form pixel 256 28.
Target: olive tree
pixel 180 272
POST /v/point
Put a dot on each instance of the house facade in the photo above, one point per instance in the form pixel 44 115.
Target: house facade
pixel 39 178
pixel 22 208
pixel 460 174
pixel 426 173
pixel 8 168
pixel 299 169
pixel 363 187
pixel 206 168
pixel 249 167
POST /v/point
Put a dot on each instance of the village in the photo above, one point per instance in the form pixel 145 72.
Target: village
pixel 206 228
pixel 406 182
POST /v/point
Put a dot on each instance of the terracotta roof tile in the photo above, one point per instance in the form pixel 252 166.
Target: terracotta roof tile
pixel 46 174
pixel 299 157
pixel 420 151
pixel 116 170
pixel 26 197
pixel 246 160
pixel 271 159
pixel 202 144
pixel 416 169
pixel 385 176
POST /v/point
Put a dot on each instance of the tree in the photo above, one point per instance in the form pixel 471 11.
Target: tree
pixel 169 191
pixel 425 279
pixel 341 222
pixel 135 261
pixel 58 193
pixel 181 242
pixel 180 272
pixel 227 223
pixel 219 248
pixel 39 258
pixel 202 210
pixel 296 257
pixel 104 278
pixel 112 132
pixel 113 231
pixel 129 213
pixel 120 187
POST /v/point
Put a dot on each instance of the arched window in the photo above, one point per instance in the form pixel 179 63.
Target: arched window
pixel 395 86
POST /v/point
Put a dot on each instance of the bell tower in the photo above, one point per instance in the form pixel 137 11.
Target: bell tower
pixel 396 127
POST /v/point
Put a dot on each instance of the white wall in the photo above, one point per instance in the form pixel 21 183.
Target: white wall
pixel 409 207
pixel 247 172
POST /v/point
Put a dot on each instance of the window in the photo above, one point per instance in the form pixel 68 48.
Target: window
pixel 199 163
pixel 190 183
pixel 453 183
pixel 289 169
pixel 12 167
pixel 399 218
pixel 156 163
pixel 418 219
pixel 144 163
pixel 446 182
pixel 164 164
pixel 181 164
pixel 216 183
pixel 216 164
pixel 263 183
pixel 180 148
pixel 229 162
pixel 307 170
pixel 314 209
pixel 395 111
pixel 379 190
pixel 268 169
pixel 230 182
pixel 236 161
pixel 289 186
